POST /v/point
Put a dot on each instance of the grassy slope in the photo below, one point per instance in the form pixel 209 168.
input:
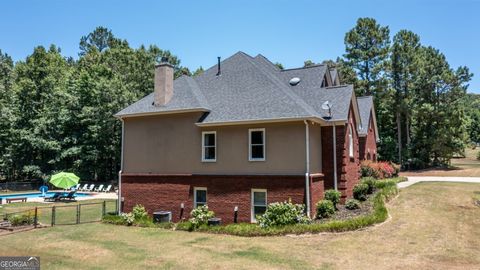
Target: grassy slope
pixel 468 166
pixel 426 231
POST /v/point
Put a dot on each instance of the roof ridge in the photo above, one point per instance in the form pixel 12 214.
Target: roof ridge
pixel 313 66
pixel 339 86
pixel 221 62
pixel 258 56
pixel 287 91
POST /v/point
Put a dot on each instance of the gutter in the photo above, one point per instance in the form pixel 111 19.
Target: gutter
pixel 119 201
pixel 307 165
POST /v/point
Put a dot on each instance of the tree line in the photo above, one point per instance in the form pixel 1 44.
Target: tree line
pixel 56 112
pixel 424 114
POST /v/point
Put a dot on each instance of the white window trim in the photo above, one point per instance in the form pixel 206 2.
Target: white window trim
pixel 350 140
pixel 203 146
pixel 195 195
pixel 252 205
pixel 250 144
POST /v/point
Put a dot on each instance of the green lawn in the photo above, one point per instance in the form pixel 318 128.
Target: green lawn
pixel 433 226
pixel 65 212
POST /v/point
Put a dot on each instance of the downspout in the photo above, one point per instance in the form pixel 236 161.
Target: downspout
pixel 119 201
pixel 307 165
pixel 335 186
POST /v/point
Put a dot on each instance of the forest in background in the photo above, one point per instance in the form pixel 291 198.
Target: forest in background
pixel 56 112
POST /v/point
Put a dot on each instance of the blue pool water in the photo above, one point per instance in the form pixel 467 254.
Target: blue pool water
pixel 39 195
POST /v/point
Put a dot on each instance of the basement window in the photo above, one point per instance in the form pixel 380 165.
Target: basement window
pixel 256 142
pixel 199 196
pixel 209 146
pixel 259 203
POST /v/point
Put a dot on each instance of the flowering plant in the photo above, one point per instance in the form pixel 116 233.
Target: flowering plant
pixel 129 218
pixel 200 216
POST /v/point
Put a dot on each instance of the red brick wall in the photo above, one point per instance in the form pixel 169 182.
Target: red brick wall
pixel 316 191
pixel 368 143
pixel 160 192
pixel 347 168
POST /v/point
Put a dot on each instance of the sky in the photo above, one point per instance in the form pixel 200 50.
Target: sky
pixel 288 32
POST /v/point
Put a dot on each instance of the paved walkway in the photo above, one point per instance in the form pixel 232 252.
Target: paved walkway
pixel 416 179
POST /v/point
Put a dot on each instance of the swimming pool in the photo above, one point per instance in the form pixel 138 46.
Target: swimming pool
pixel 39 195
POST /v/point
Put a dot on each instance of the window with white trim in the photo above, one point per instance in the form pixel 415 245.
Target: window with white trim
pixel 350 141
pixel 199 196
pixel 209 146
pixel 256 144
pixel 259 203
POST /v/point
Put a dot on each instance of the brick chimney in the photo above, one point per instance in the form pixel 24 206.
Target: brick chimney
pixel 163 89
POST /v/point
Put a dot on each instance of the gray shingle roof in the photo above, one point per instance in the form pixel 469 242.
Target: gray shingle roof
pixel 252 89
pixel 245 91
pixel 333 73
pixel 187 96
pixel 365 105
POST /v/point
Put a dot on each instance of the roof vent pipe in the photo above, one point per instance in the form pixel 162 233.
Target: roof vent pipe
pixel 219 72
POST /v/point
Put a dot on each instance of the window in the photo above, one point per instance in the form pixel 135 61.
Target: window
pixel 259 203
pixel 350 140
pixel 199 196
pixel 256 141
pixel 209 149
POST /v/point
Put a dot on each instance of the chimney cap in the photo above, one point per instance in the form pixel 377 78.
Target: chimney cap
pixel 164 62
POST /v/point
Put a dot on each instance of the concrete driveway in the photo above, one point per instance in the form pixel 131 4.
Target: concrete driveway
pixel 416 179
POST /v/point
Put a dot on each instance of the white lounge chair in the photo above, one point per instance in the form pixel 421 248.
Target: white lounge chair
pixel 108 188
pixel 98 189
pixel 83 188
pixel 76 187
pixel 90 188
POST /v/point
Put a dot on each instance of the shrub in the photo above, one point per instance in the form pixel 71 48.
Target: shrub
pixel 368 169
pixel 128 218
pixel 185 226
pixel 200 216
pixel 19 220
pixel 378 170
pixel 283 213
pixel 352 204
pixel 114 219
pixel 360 191
pixel 396 169
pixel 370 182
pixel 386 170
pixel 381 184
pixel 325 209
pixel 145 221
pixel 139 212
pixel 333 196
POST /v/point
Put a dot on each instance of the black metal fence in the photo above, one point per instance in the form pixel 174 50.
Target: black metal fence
pixel 20 186
pixel 62 214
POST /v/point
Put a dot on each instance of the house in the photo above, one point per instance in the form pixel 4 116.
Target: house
pixel 368 132
pixel 240 136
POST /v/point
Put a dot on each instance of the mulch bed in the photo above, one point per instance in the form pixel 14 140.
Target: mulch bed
pixel 342 213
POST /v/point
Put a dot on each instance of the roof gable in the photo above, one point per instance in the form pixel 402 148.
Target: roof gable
pixel 367 113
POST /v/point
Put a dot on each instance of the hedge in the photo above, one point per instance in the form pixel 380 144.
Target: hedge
pixel 378 215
